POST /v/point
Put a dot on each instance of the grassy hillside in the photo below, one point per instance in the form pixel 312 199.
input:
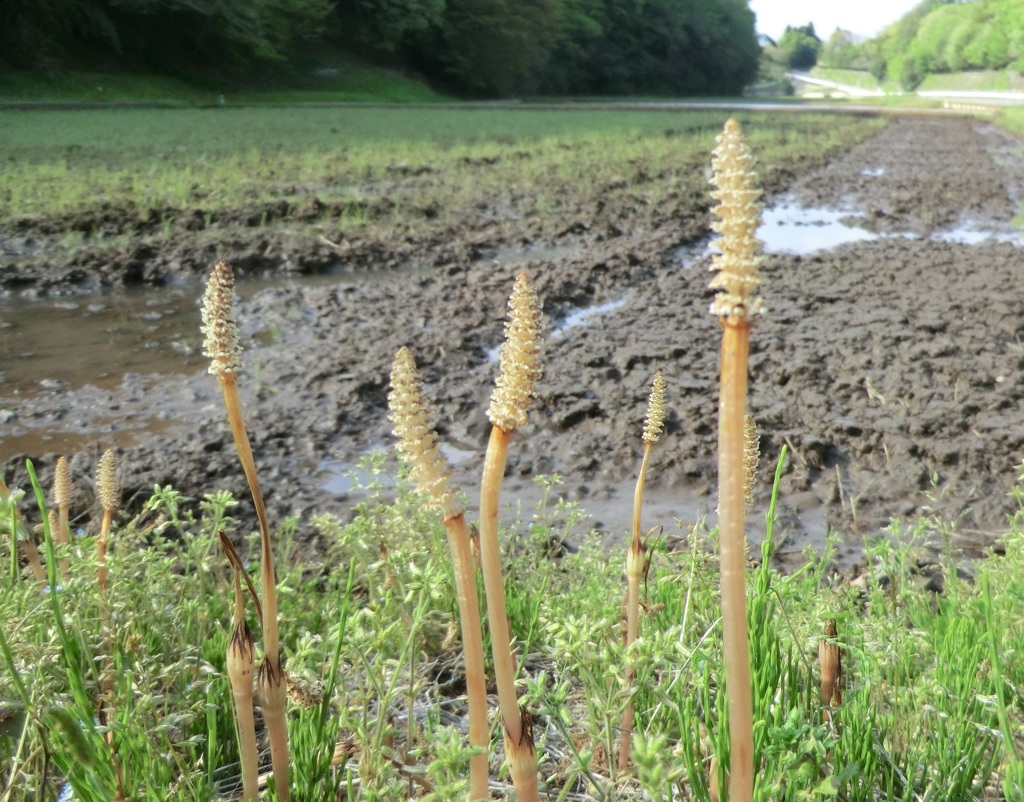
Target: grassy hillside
pixel 941 37
pixel 343 81
pixel 978 80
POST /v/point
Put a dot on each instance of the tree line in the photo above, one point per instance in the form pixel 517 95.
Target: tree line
pixel 936 36
pixel 484 47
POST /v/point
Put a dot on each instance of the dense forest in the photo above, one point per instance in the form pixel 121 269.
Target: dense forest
pixel 937 36
pixel 480 47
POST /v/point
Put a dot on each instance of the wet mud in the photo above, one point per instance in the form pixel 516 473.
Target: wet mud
pixel 890 366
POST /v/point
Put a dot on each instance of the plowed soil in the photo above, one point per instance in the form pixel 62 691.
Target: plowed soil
pixel 891 367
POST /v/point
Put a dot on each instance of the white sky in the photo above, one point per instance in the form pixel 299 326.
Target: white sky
pixel 867 17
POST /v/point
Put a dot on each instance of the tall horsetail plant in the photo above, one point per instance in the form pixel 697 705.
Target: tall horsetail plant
pixel 510 401
pixel 739 213
pixel 417 443
pixel 109 492
pixel 62 501
pixel 636 557
pixel 221 346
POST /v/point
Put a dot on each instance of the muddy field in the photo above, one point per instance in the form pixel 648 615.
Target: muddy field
pixel 890 365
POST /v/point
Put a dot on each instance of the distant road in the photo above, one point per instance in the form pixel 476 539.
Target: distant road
pixel 952 96
pixel 739 104
pixel 849 89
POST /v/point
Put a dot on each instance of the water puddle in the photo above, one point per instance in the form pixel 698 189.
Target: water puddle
pixel 967 235
pixel 82 435
pixel 457 452
pixel 339 478
pixel 50 346
pixel 113 367
pixel 580 316
pixel 788 227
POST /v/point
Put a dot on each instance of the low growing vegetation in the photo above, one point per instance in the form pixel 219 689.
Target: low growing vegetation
pixel 116 649
pixel 168 162
pixel 382 612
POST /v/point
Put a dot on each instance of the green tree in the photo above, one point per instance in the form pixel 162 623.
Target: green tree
pixel 675 47
pixel 35 34
pixel 173 34
pixel 842 50
pixel 800 46
pixel 567 67
pixel 386 25
pixel 495 46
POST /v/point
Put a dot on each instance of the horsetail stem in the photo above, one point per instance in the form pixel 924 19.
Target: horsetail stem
pixel 109 492
pixel 510 401
pixel 221 346
pixel 417 443
pixel 635 557
pixel 738 210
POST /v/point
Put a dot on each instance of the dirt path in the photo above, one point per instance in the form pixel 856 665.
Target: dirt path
pixel 891 367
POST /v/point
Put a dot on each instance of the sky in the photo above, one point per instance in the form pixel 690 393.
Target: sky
pixel 867 17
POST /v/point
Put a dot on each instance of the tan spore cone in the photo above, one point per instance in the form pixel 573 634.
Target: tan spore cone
pixel 519 361
pixel 739 214
pixel 417 440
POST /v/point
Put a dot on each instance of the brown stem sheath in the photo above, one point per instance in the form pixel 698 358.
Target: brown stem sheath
pixel 733 555
pixel 522 759
pixel 273 695
pixel 240 670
